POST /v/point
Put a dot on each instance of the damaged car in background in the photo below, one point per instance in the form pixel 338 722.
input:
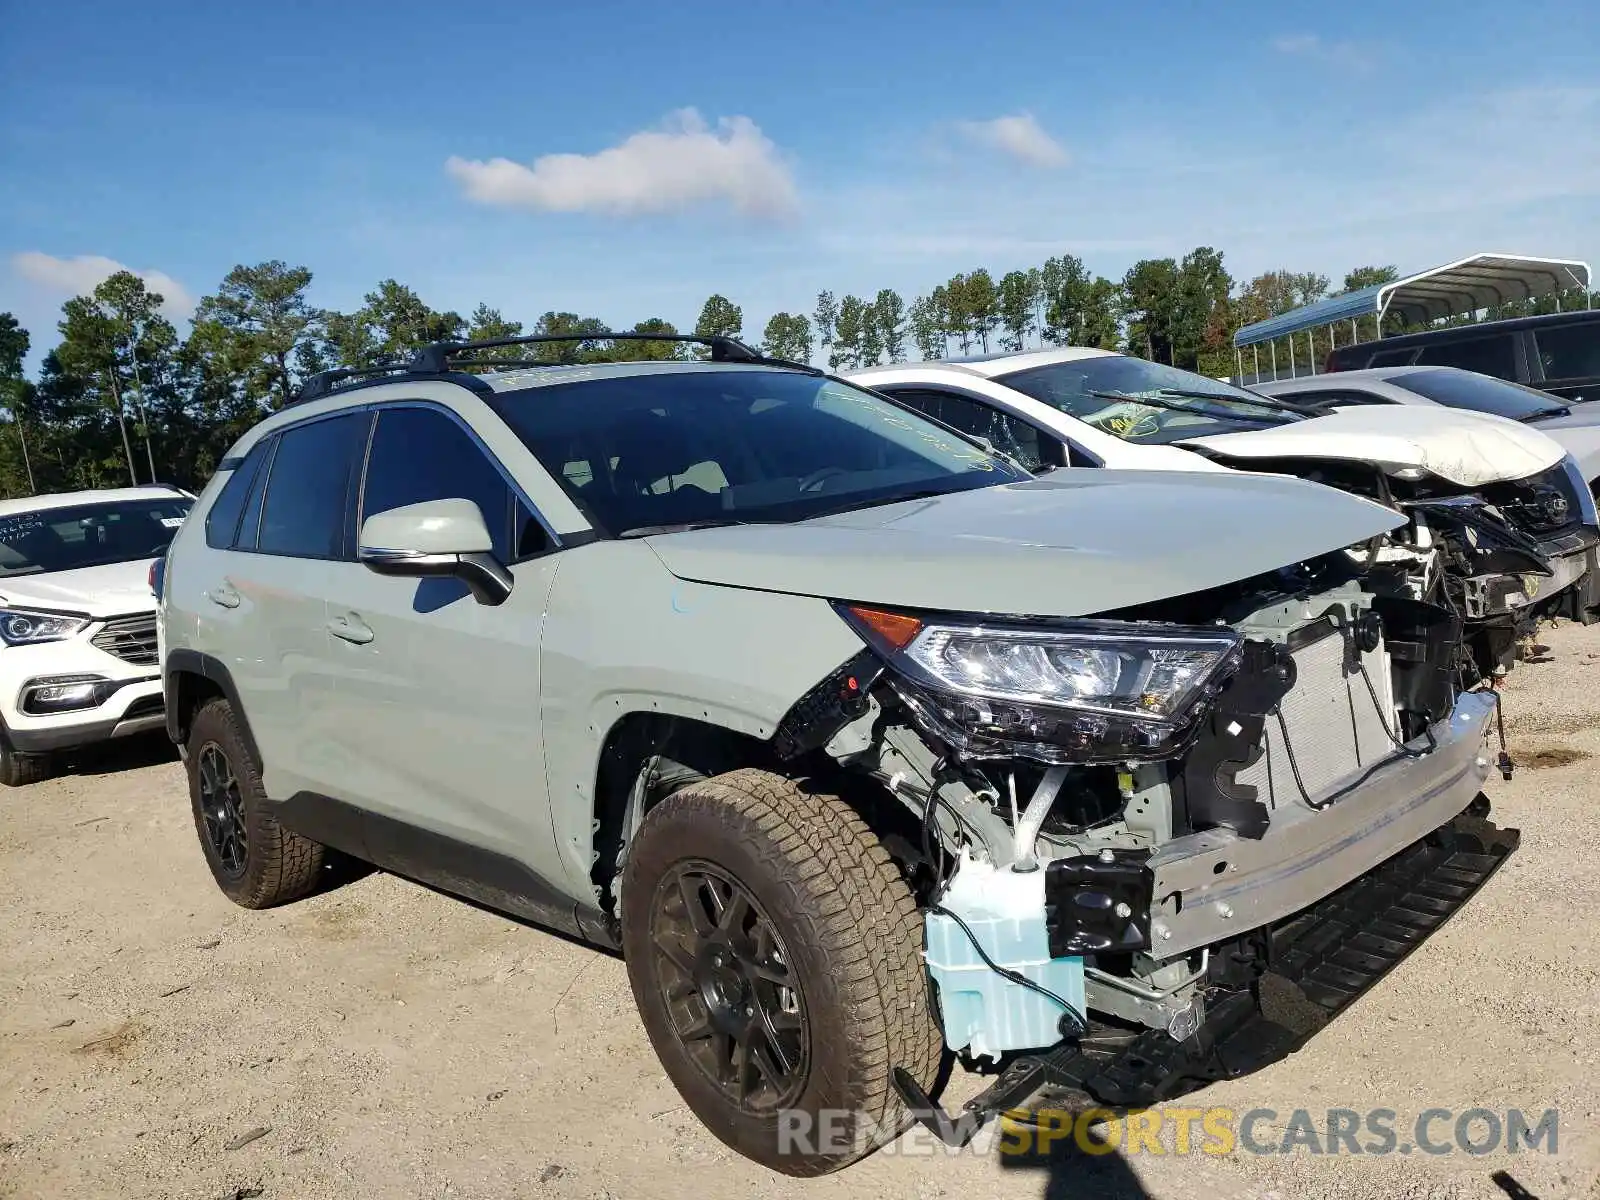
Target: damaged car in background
pixel 1501 525
pixel 807 702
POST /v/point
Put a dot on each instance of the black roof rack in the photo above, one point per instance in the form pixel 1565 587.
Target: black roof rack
pixel 435 360
pixel 437 357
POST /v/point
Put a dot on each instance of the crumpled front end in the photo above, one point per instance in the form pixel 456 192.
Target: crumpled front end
pixel 1128 823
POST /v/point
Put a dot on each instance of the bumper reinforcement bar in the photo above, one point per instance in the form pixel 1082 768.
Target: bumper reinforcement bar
pixel 1316 963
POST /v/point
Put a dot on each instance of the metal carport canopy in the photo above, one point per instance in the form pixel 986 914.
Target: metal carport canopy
pixel 1464 286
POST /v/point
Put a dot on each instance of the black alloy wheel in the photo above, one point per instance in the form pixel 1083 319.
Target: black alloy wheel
pixel 735 1007
pixel 223 809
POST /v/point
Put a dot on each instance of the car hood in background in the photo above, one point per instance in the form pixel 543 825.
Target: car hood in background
pixel 1073 543
pixel 1464 448
pixel 1579 433
pixel 113 590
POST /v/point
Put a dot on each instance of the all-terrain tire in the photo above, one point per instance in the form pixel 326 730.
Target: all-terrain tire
pixel 853 938
pixel 278 865
pixel 20 770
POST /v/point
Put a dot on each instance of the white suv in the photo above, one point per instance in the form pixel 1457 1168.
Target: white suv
pixel 77 620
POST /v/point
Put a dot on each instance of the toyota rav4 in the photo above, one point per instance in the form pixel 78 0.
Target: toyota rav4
pixel 806 702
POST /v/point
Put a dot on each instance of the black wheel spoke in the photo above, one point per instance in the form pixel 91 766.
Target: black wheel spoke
pixel 671 947
pixel 222 809
pixel 735 913
pixel 721 969
pixel 699 1031
pixel 691 887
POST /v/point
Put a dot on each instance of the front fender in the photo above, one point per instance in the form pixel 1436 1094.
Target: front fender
pixel 623 635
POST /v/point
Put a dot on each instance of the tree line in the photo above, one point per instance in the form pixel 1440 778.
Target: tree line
pixel 123 396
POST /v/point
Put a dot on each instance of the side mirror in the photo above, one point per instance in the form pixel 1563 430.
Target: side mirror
pixel 436 538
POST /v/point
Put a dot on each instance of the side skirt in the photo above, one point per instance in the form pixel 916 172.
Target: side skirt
pixel 496 881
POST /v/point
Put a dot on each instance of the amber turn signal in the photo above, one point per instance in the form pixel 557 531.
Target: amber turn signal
pixel 895 629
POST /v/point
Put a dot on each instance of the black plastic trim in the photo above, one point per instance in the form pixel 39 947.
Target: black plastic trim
pixel 202 666
pixel 69 737
pixel 1230 741
pixel 486 877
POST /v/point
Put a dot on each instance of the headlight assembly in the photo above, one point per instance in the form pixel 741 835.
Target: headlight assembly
pixel 21 627
pixel 1076 691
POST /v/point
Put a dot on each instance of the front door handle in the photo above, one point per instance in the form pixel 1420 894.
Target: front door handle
pixel 351 628
pixel 224 595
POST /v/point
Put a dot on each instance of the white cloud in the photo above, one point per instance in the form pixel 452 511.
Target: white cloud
pixel 81 274
pixel 681 164
pixel 1352 56
pixel 1020 137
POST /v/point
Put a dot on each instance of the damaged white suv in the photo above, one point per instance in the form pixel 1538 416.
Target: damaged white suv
pixel 804 701
pixel 1501 521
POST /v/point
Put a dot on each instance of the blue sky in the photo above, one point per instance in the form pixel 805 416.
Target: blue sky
pixel 624 160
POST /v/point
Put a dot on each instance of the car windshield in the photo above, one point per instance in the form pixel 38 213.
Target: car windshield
pixel 88 535
pixel 653 452
pixel 1142 401
pixel 1480 393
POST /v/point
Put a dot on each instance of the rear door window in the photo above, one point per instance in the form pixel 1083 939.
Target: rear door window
pixel 1569 351
pixel 223 519
pixel 309 490
pixel 1495 356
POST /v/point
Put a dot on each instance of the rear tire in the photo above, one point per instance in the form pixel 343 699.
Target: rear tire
pixel 825 911
pixel 20 770
pixel 256 861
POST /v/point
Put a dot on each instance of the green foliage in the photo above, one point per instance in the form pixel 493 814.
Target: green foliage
pixel 566 324
pixel 1150 289
pixel 1018 314
pixel 1363 277
pixel 788 335
pixel 652 350
pixel 391 325
pixel 1200 316
pixel 719 317
pixel 927 325
pixel 122 396
pixel 825 319
pixel 889 320
pixel 258 325
pixel 850 335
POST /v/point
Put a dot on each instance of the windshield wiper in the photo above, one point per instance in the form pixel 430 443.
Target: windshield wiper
pixel 1542 413
pixel 1174 405
pixel 1267 402
pixel 639 531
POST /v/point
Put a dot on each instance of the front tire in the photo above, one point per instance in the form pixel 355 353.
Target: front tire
pixel 775 955
pixel 20 770
pixel 256 861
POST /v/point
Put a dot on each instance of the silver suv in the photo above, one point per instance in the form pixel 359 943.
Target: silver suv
pixel 805 701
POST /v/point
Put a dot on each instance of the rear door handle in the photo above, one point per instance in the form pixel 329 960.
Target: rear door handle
pixel 351 628
pixel 224 595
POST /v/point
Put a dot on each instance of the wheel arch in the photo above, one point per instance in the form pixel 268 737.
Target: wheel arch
pixel 191 678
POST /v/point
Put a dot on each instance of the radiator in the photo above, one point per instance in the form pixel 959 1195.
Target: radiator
pixel 1334 729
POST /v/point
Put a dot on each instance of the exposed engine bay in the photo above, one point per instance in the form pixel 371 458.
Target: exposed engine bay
pixel 1231 760
pixel 1499 555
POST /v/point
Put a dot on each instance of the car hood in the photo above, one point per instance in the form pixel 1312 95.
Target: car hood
pixel 1464 448
pixel 116 589
pixel 1073 543
pixel 1579 433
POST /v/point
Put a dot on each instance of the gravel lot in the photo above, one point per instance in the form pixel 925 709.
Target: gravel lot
pixel 381 1040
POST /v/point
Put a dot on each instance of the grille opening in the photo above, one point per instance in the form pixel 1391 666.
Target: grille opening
pixel 132 639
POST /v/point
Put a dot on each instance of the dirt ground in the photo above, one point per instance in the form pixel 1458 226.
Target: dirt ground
pixel 382 1040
